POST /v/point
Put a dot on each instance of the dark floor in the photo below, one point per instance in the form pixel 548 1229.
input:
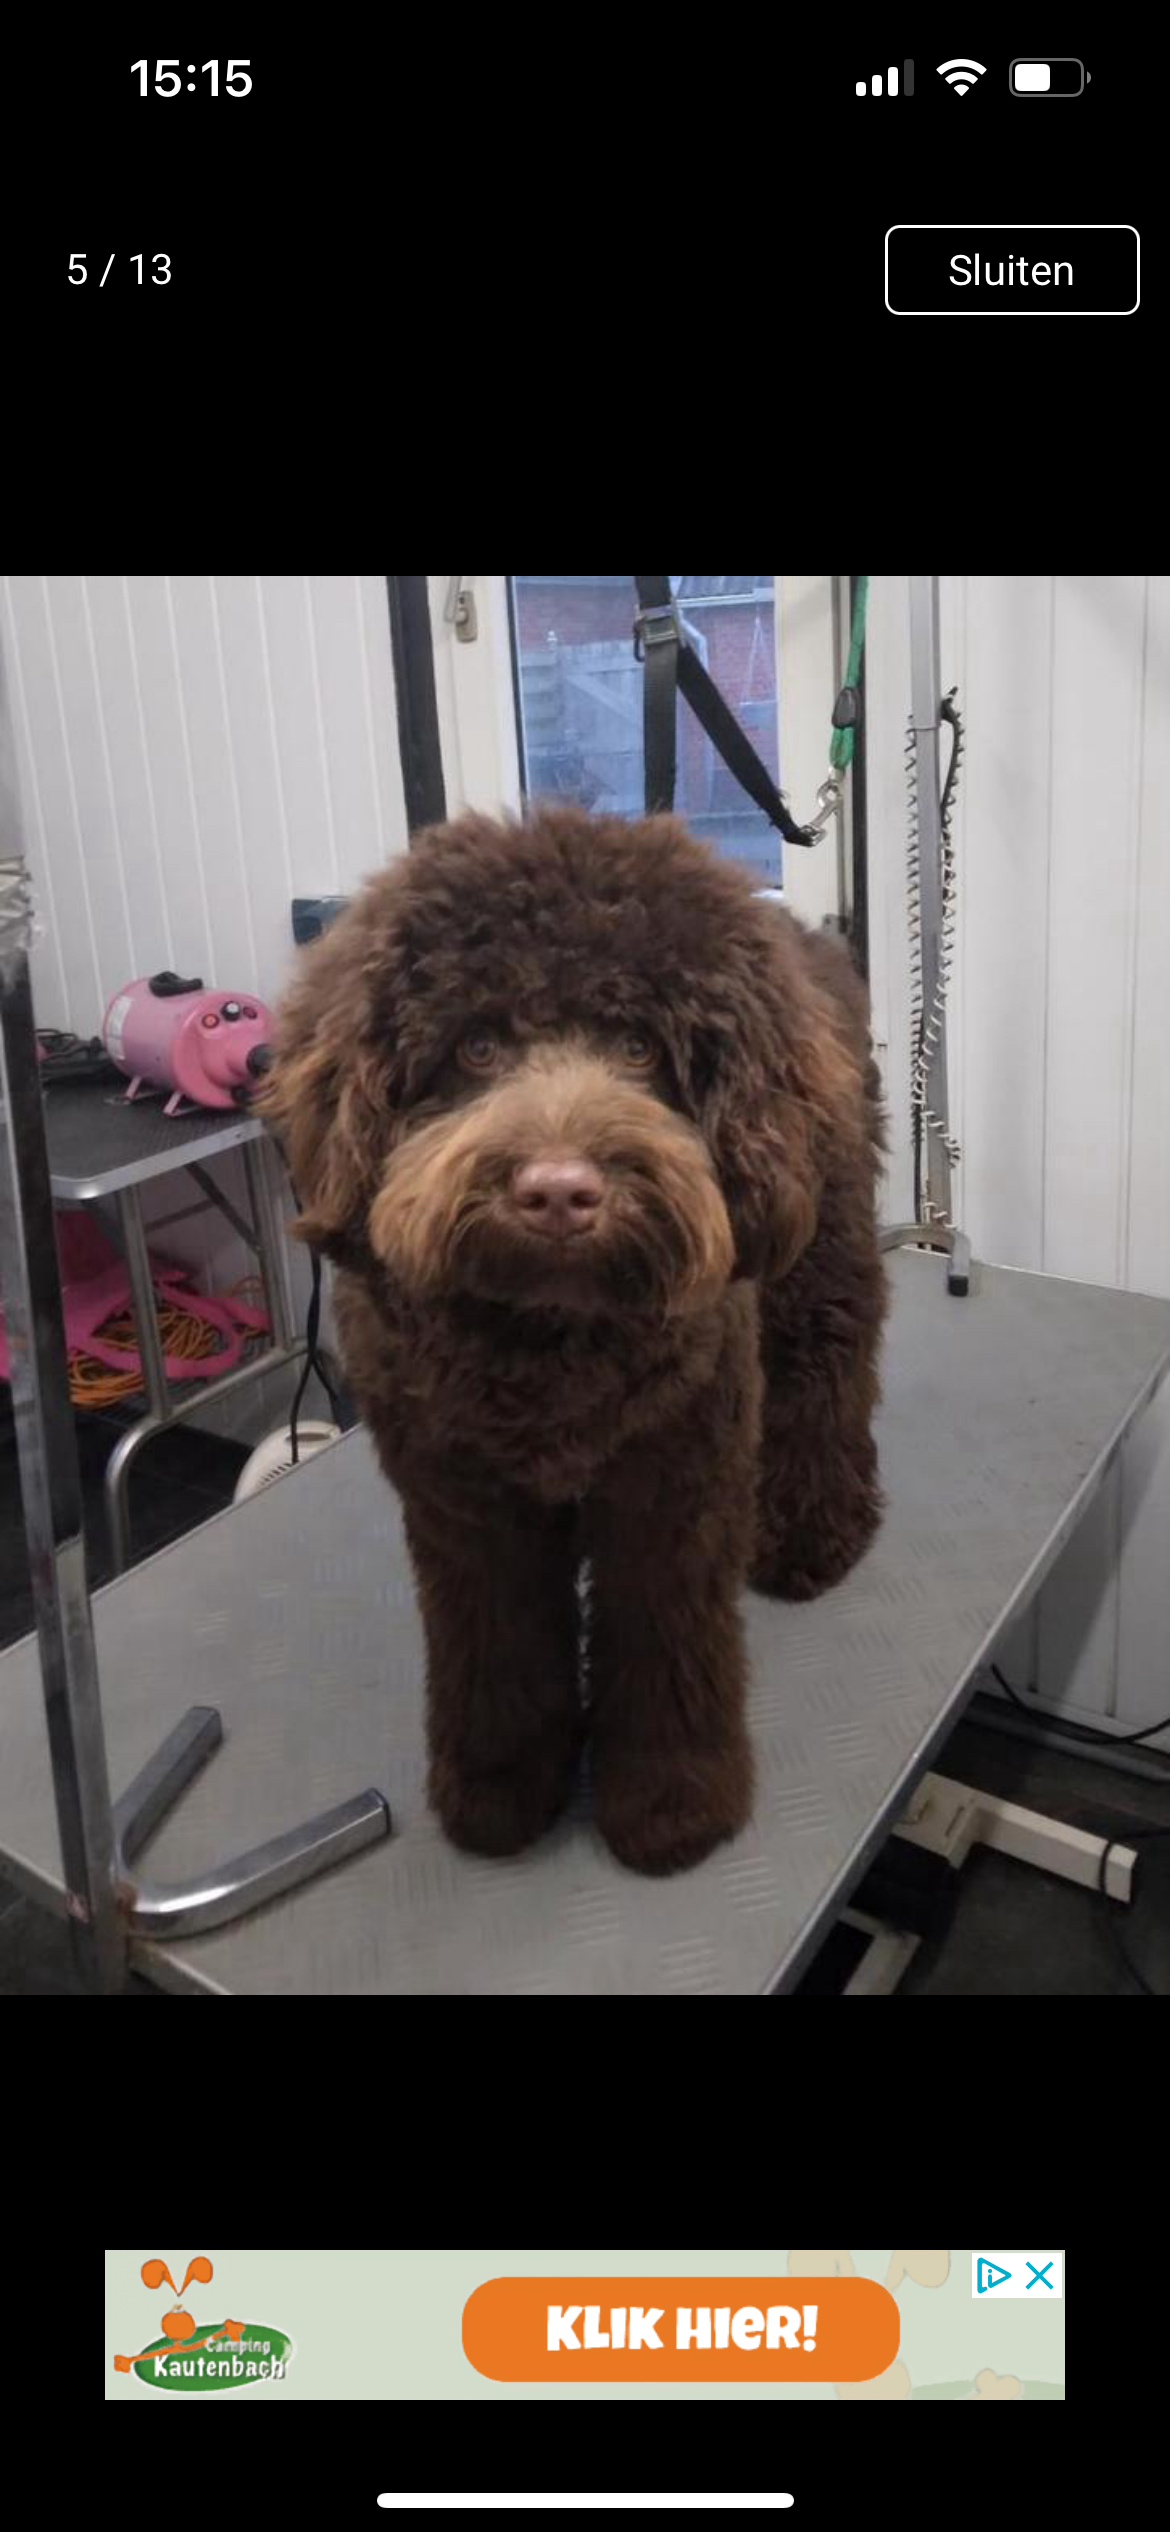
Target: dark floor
pixel 180 1478
pixel 1009 1929
pixel 1021 1932
pixel 1015 1931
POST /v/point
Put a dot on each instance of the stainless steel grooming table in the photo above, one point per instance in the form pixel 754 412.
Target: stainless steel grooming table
pixel 294 1612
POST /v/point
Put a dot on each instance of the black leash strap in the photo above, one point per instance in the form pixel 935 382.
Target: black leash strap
pixel 670 663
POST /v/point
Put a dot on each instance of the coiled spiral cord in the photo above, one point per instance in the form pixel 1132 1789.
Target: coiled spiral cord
pixel 926 1027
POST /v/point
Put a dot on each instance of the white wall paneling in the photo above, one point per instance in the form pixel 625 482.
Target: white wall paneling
pixel 1059 1039
pixel 193 752
pixel 1143 1597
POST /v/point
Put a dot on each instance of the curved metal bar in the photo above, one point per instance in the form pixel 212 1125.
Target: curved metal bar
pixel 915 1234
pixel 117 1467
pixel 262 1872
pixel 158 1784
pixel 189 1907
pixel 954 1245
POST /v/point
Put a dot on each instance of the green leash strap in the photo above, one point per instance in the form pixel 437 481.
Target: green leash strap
pixel 847 709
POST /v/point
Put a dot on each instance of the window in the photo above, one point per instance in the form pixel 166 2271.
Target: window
pixel 579 691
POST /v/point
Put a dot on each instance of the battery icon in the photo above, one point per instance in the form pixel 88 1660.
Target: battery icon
pixel 1059 78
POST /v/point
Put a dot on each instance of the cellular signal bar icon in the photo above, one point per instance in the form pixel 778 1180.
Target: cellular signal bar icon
pixel 874 87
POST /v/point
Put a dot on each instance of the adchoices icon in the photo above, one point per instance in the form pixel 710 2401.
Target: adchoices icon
pixel 1018 2276
pixel 198 2355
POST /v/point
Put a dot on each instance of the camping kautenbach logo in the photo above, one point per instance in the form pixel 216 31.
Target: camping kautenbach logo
pixel 201 2355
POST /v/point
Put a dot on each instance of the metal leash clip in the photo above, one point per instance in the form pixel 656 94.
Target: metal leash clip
pixel 829 799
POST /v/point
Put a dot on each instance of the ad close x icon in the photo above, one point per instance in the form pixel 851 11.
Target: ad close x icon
pixel 1018 2276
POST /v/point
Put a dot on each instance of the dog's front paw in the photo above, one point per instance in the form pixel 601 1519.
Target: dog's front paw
pixel 797 1559
pixel 499 1812
pixel 665 1820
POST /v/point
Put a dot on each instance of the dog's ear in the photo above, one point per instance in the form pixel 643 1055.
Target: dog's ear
pixel 332 1088
pixel 777 1081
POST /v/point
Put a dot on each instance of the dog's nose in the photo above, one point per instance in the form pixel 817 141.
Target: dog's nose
pixel 558 1196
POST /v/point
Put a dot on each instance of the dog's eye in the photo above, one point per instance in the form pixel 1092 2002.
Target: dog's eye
pixel 635 1047
pixel 479 1050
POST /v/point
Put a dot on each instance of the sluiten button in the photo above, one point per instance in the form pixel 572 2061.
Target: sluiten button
pixel 1006 271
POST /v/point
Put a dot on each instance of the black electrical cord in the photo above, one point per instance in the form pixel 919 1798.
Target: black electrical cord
pixel 1086 1731
pixel 313 1362
pixel 1131 1836
pixel 64 1057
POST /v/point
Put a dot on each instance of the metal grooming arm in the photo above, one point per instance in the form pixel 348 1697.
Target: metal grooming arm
pixel 926 691
pixel 105 1905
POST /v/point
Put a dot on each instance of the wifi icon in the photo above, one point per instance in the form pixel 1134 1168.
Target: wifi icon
pixel 961 75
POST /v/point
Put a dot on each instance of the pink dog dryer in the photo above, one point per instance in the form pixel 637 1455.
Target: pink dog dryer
pixel 207 1049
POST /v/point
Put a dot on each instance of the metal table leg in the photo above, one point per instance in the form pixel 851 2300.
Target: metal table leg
pixel 50 1479
pixel 265 1236
pixel 271 1245
pixel 104 1904
pixel 134 1250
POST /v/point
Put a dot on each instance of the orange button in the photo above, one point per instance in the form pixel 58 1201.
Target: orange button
pixel 681 2329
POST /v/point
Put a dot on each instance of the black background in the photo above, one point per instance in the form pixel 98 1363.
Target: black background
pixel 419 223
pixel 366 146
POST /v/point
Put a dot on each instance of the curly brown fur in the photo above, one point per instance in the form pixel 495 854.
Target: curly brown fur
pixel 591 1133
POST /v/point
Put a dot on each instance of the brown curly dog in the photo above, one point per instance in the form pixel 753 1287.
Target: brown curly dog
pixel 591 1133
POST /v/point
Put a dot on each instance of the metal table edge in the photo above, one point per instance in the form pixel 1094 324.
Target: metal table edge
pixel 845 1881
pixel 84 1190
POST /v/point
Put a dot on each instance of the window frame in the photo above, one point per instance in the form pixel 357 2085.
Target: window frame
pixel 478 715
